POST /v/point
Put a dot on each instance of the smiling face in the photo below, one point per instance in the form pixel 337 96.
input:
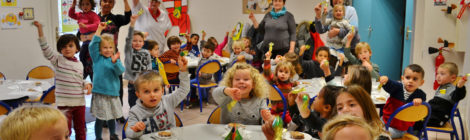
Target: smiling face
pixel 237 49
pixel 175 47
pixel 57 131
pixel 106 6
pixel 154 4
pixel 347 104
pixel 194 40
pixel 137 42
pixel 444 76
pixel 412 80
pixel 338 12
pixel 106 49
pixel 243 81
pixel 150 93
pixel 69 50
pixel 85 5
pixel 278 4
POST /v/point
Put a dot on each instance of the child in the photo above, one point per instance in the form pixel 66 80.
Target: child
pixel 357 102
pixel 244 84
pixel 154 112
pixel 364 53
pixel 87 19
pixel 359 75
pixel 35 122
pixel 192 43
pixel 293 58
pixel 219 47
pixel 320 67
pixel 171 56
pixel 447 94
pixel 137 59
pixel 207 54
pixel 153 49
pixel 238 54
pixel 322 108
pixel 348 127
pixel 105 104
pixel 403 93
pixel 69 95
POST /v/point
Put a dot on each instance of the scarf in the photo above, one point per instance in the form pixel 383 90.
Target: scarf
pixel 276 15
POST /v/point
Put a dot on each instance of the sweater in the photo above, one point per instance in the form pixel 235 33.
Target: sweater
pixel 116 22
pixel 246 111
pixel 194 50
pixel 280 31
pixel 90 19
pixel 396 100
pixel 375 68
pixel 441 104
pixel 160 117
pixel 165 58
pixel 219 48
pixel 233 57
pixel 106 73
pixel 136 61
pixel 204 78
pixel 68 77
pixel 311 69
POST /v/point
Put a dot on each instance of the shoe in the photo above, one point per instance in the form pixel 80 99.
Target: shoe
pixel 113 137
pixel 121 120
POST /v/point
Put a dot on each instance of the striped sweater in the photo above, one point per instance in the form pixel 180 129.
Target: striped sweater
pixel 69 77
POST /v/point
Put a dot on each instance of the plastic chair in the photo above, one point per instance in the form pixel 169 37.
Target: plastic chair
pixel 209 67
pixel 225 54
pixel 47 97
pixel 2 76
pixel 411 113
pixel 171 68
pixel 4 108
pixel 214 118
pixel 310 102
pixel 42 73
pixel 276 95
pixel 450 126
pixel 179 123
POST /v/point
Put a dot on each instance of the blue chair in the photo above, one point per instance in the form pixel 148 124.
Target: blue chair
pixel 276 95
pixel 209 67
pixel 2 76
pixel 47 97
pixel 4 108
pixel 451 128
pixel 411 113
pixel 214 118
pixel 311 100
pixel 178 121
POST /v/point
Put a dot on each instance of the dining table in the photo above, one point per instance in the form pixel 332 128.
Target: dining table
pixel 14 92
pixel 194 61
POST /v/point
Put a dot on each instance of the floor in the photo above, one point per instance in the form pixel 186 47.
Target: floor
pixel 192 116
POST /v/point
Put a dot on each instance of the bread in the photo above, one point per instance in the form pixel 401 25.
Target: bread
pixel 37 83
pixel 31 90
pixel 164 134
pixel 296 135
pixel 380 98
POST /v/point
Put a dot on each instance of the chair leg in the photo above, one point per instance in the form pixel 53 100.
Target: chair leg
pixel 461 125
pixel 200 98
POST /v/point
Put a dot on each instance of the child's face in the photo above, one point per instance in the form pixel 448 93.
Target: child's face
pixel 206 53
pixel 412 80
pixel 352 132
pixel 106 49
pixel 85 6
pixel 246 41
pixel 321 56
pixel 150 93
pixel 237 50
pixel 283 74
pixel 338 13
pixel 137 42
pixel 175 47
pixel 194 40
pixel 444 77
pixel 243 81
pixel 347 104
pixel 347 77
pixel 318 103
pixel 58 131
pixel 364 55
pixel 69 50
pixel 155 52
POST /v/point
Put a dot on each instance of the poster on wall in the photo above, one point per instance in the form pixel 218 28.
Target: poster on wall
pixel 440 2
pixel 257 6
pixel 68 24
pixel 9 3
pixel 10 21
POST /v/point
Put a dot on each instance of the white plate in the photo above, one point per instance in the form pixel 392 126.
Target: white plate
pixel 286 136
pixel 158 137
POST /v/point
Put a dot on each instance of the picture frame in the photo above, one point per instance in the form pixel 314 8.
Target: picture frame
pixel 28 13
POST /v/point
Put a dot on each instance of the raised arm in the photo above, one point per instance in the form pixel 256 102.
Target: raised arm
pixel 47 51
pixel 72 13
pixel 253 19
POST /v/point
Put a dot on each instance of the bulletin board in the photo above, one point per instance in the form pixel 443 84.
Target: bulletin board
pixel 68 25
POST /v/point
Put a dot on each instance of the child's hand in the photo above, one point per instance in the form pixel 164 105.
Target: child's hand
pixel 304 112
pixel 74 2
pixel 233 32
pixel 115 57
pixel 88 87
pixel 291 99
pixel 172 61
pixel 227 33
pixel 101 26
pixel 324 65
pixel 367 65
pixel 241 58
pixel 351 35
pixel 417 101
pixel 234 93
pixel 139 126
pixel 37 24
pixel 183 63
pixel 317 10
pixel 268 55
pixel 82 25
pixel 341 58
pixel 268 130
pixel 383 80
pixel 278 59
pixel 134 18
pixel 462 81
pixel 252 16
pixel 299 100
pixel 266 115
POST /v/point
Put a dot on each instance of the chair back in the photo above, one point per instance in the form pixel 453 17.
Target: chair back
pixel 411 113
pixel 214 118
pixel 225 54
pixel 171 68
pixel 2 76
pixel 310 102
pixel 41 72
pixel 210 67
pixel 124 129
pixel 4 108
pixel 275 94
pixel 179 123
pixel 48 97
pixel 451 128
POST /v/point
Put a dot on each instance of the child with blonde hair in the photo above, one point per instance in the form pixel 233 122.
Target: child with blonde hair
pixel 105 103
pixel 244 84
pixel 347 127
pixel 35 122
pixel 363 53
pixel 238 53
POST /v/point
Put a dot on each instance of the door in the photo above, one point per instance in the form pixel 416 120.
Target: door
pixel 381 25
pixel 408 30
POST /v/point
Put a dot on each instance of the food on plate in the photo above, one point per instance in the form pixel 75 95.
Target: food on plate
pixel 164 134
pixel 37 83
pixel 380 98
pixel 296 135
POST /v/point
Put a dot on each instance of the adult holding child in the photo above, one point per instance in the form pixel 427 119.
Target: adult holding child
pixel 278 27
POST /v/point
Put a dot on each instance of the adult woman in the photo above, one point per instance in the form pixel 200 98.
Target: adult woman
pixel 153 20
pixel 278 27
pixel 116 20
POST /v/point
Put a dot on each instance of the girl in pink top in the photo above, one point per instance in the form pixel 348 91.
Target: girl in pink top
pixel 87 19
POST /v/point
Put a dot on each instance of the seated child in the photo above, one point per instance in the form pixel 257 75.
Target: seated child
pixel 218 47
pixel 34 122
pixel 244 84
pixel 364 53
pixel 207 54
pixel 155 111
pixel 293 58
pixel 348 127
pixel 238 53
pixel 171 56
pixel 320 67
pixel 402 93
pixel 154 51
pixel 87 19
pixel 358 75
pixel 193 49
pixel 447 94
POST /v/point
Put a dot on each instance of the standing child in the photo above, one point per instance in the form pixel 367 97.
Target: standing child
pixel 69 95
pixel 154 111
pixel 356 101
pixel 447 94
pixel 87 19
pixel 403 93
pixel 238 53
pixel 359 75
pixel 320 67
pixel 191 45
pixel 364 53
pixel 244 84
pixel 105 104
pixel 172 56
pixel 137 59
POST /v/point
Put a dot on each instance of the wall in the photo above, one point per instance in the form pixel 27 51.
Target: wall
pixel 431 23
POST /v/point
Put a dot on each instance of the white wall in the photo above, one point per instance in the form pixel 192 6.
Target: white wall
pixel 431 23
